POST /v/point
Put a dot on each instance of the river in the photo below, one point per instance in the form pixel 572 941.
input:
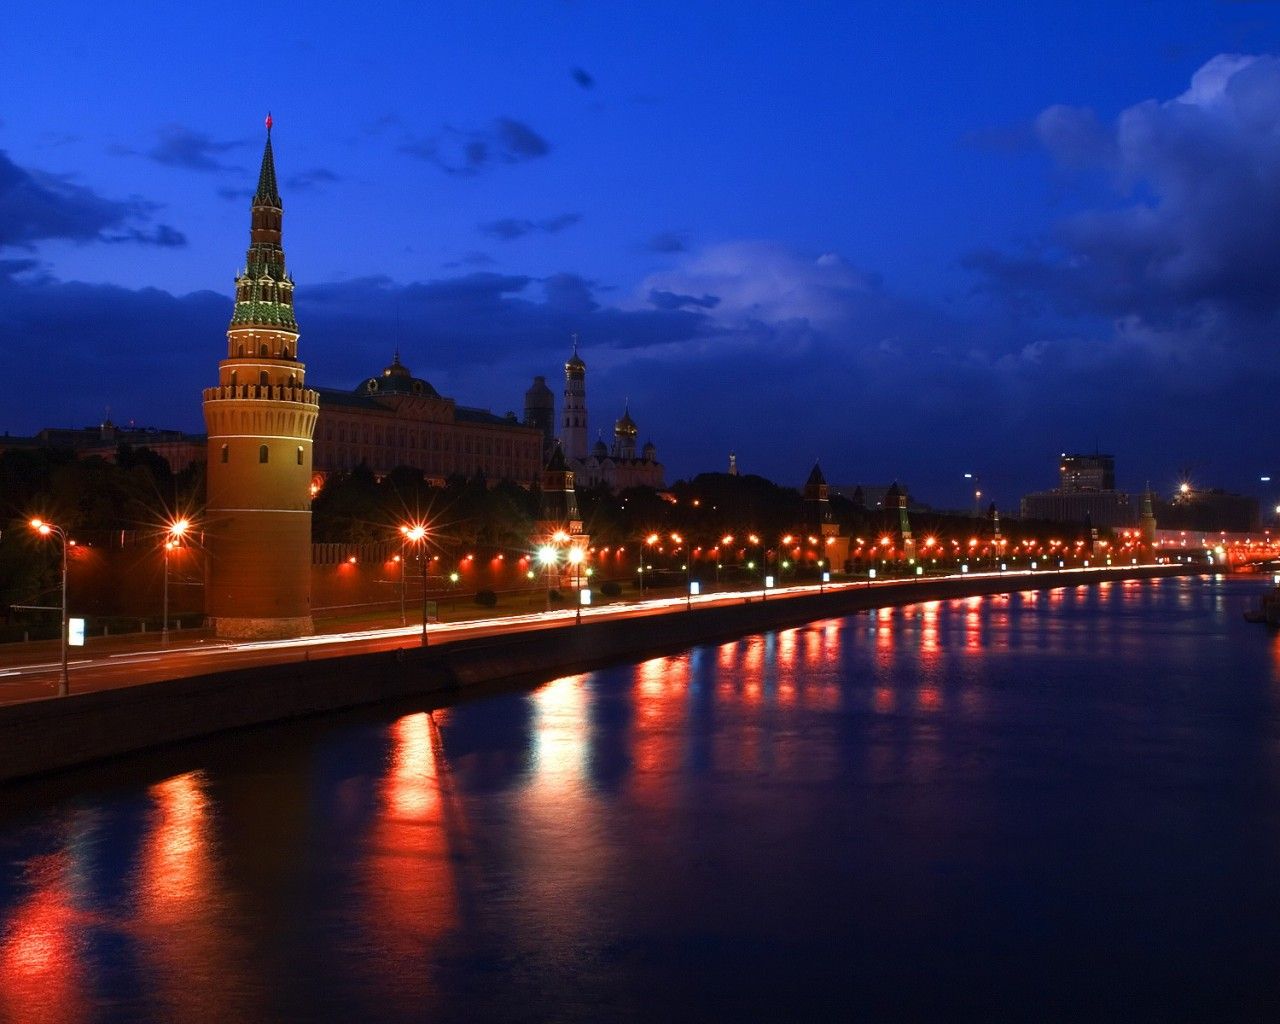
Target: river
pixel 1057 805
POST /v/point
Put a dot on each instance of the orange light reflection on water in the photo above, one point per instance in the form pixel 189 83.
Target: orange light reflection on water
pixel 41 971
pixel 182 924
pixel 409 886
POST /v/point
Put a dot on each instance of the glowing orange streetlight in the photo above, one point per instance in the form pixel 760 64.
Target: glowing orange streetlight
pixel 44 529
pixel 172 539
pixel 650 540
pixel 417 533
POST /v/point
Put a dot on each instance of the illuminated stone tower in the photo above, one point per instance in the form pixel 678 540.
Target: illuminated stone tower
pixel 540 412
pixel 817 501
pixel 1147 520
pixel 573 424
pixel 260 420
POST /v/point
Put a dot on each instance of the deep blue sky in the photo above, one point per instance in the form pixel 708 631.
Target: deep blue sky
pixel 911 241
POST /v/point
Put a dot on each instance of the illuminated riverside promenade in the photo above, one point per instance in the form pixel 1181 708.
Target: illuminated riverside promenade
pixel 28 673
pixel 1043 805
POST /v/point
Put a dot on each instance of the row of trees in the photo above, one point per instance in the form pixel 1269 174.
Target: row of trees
pixel 134 496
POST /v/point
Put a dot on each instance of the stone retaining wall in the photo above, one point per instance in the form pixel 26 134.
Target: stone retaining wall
pixel 49 735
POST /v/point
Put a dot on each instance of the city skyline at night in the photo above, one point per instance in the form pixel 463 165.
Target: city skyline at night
pixel 913 244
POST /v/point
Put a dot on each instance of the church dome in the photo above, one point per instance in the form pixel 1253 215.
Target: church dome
pixel 600 450
pixel 626 425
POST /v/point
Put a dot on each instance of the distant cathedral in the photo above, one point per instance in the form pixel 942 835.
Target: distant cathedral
pixel 617 466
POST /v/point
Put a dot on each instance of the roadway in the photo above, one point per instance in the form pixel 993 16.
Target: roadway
pixel 31 671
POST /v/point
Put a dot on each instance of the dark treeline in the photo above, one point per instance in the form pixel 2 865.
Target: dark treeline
pixel 131 499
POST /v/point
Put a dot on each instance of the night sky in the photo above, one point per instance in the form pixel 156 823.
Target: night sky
pixel 912 240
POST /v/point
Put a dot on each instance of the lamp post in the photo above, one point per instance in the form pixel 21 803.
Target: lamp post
pixel 764 562
pixel 403 620
pixel 649 541
pixel 688 570
pixel 173 538
pixel 547 556
pixel 418 534
pixel 44 529
pixel 575 557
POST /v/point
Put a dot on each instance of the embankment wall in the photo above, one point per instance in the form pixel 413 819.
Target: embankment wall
pixel 48 735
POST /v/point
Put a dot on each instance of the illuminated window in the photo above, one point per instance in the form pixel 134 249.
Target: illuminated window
pixel 262 453
pixel 299 455
pixel 225 453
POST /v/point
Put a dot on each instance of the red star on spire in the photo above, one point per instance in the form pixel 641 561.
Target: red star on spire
pixel 268 123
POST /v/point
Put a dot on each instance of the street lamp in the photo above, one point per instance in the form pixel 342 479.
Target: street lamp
pixel 173 538
pixel 418 534
pixel 44 529
pixel 575 559
pixel 547 556
pixel 650 541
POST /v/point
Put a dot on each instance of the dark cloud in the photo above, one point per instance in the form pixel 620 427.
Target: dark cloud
pixel 468 152
pixel 569 293
pixel 471 259
pixel 667 241
pixel 36 206
pixel 670 300
pixel 508 229
pixel 305 180
pixel 519 141
pixel 582 78
pixel 113 345
pixel 1178 222
pixel 182 147
pixel 161 235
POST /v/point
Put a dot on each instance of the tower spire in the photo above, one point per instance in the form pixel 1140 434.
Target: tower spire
pixel 268 194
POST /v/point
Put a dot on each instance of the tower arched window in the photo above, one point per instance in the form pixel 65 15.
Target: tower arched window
pixel 240 351
pixel 264 378
pixel 263 350
pixel 225 454
pixel 262 453
pixel 299 455
pixel 233 378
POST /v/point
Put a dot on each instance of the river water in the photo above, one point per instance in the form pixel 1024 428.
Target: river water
pixel 1055 805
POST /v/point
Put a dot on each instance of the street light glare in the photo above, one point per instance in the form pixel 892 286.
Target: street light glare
pixel 546 554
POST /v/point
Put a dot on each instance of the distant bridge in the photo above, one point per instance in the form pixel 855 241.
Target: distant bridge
pixel 1237 550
